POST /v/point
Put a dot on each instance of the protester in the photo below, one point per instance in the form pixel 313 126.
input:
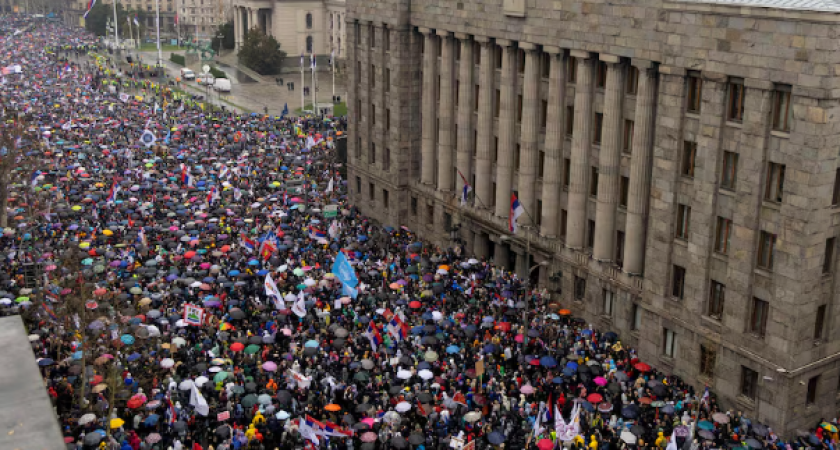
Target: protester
pixel 240 301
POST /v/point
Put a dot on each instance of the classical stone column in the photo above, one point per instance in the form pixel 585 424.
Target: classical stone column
pixel 501 255
pixel 484 128
pixel 640 167
pixel 553 141
pixel 446 112
pixel 481 245
pixel 581 142
pixel 427 167
pixel 610 161
pixel 237 26
pixel 252 22
pixel 529 132
pixel 466 100
pixel 507 128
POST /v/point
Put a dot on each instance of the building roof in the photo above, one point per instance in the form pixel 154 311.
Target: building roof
pixel 799 5
pixel 27 418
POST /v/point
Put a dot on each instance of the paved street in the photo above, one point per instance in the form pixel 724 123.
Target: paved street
pixel 253 93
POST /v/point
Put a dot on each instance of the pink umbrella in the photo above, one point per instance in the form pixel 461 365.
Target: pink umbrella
pixel 519 338
pixel 527 389
pixel 269 366
pixel 545 444
pixel 369 421
pixel 600 381
pixel 369 437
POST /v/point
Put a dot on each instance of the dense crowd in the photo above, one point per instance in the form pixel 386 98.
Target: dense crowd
pixel 196 278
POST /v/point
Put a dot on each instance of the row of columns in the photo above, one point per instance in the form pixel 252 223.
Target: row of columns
pixel 439 126
pixel 244 18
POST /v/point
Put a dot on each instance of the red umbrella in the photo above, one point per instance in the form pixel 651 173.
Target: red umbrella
pixel 645 400
pixel 96 380
pixel 642 367
pixel 534 362
pixel 545 444
pixel 237 347
pixel 134 403
pixel 415 304
pixel 595 398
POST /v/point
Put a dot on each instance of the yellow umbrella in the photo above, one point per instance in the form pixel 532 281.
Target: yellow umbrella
pixel 116 423
pixel 107 232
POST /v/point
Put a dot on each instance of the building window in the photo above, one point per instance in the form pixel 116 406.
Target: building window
pixel 567 173
pixel 519 108
pixel 498 55
pixel 385 197
pixel 749 382
pixel 447 222
pixel 722 233
pixel 811 395
pixel 309 44
pixel 627 141
pixel 694 92
pixel 593 181
pixel 476 97
pixel 623 192
pixel 828 259
pixel 636 317
pixel 598 128
pixel 430 214
pixel 495 154
pixel 580 288
pixel 564 216
pixel 541 164
pixel 590 235
pixel 516 157
pixel 735 110
pixel 538 213
pixel 758 317
pixel 308 21
pixel 413 206
pixel 729 169
pixel 689 156
pixel 619 249
pixel 520 60
pixel 498 102
pixel 571 70
pixel 372 191
pixel 387 119
pixel 543 113
pixel 766 244
pixel 386 38
pixel 387 80
pixel 835 196
pixel 717 295
pixel 819 322
pixel 570 120
pixel 631 86
pixel 372 109
pixel 386 160
pixel 546 65
pixel 608 302
pixel 476 53
pixel 782 109
pixel 683 220
pixel 601 81
pixel 708 358
pixel 668 342
pixel 372 156
pixel 678 282
pixel 775 182
pixel 358 185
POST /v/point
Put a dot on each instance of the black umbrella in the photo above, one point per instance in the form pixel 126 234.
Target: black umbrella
pixel 284 396
pixel 398 442
pixel 416 439
pixel 223 431
pixel 364 407
pixel 496 438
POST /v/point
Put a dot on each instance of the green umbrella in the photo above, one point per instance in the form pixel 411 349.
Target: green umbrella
pixel 221 376
pixel 248 401
pixel 298 272
pixel 361 376
pixel 251 349
pixel 22 299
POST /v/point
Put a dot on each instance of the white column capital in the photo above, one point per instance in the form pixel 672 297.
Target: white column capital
pixel 611 59
pixel 552 49
pixel 424 30
pixel 582 54
pixel 482 39
pixel 462 36
pixel 504 42
pixel 527 46
pixel 443 33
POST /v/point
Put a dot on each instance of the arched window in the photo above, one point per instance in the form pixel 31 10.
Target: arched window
pixel 308 21
pixel 308 44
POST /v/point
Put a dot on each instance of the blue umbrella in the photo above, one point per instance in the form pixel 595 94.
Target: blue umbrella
pixel 127 339
pixel 572 365
pixel 151 420
pixel 489 348
pixel 548 361
pixel 586 332
pixel 233 273
pixel 557 380
pixel 45 362
pixel 312 344
pixel 568 371
pixel 453 349
pixel 78 355
pixel 253 262
pixel 632 412
pixel 703 425
pixel 262 272
pixel 417 330
pixel 488 319
pixel 133 357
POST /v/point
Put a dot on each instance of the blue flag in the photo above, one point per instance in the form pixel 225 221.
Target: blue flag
pixel 344 271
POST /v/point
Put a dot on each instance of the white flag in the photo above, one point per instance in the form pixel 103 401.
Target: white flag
pixel 272 291
pixel 330 186
pixel 198 402
pixel 299 307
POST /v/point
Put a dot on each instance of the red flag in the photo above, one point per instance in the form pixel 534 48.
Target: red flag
pixel 421 408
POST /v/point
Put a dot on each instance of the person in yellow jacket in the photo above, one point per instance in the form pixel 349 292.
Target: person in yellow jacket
pixel 593 443
pixel 258 418
pixel 661 442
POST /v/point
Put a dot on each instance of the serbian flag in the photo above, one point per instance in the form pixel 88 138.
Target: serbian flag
pixel 516 210
pixel 247 243
pixel 112 195
pixel 420 408
pixel 374 336
pixel 465 191
pixel 267 250
pixel 48 309
pixel 89 7
pixel 316 234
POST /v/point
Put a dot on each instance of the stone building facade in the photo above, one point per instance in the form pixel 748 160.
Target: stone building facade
pixel 678 162
pixel 301 27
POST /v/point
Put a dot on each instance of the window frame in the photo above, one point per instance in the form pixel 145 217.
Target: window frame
pixel 694 92
pixel 774 182
pixel 766 249
pixel 819 322
pixel 608 302
pixel 749 383
pixel 759 311
pixel 683 224
pixel 669 343
pixel 678 281
pixel 736 94
pixel 708 360
pixel 579 288
pixel 689 159
pixel 723 234
pixel 828 256
pixel 729 170
pixel 782 108
pixel 627 138
pixel 717 300
pixel 571 70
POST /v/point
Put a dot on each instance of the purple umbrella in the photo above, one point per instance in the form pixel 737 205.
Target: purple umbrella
pixel 269 366
pixel 428 278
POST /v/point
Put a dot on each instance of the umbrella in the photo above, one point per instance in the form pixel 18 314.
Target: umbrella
pixel 403 407
pixel 720 417
pixel 496 438
pixel 398 442
pixel 628 437
pixel 472 416
pixel 416 439
pixel 706 434
pixel 545 444
pixel 332 407
pixel 369 437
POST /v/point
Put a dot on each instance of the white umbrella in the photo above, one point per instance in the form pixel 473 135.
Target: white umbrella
pixel 196 284
pixel 403 407
pixel 473 261
pixel 200 381
pixel 628 437
pixel 436 315
pixel 214 369
pixel 391 417
pixel 34 337
pixel 181 323
pixel 282 415
pixel 472 416
pixel 87 418
pixel 264 399
pixel 403 374
pixel 179 342
pixel 426 374
pixel 309 282
pixel 167 363
pixel 154 331
pixel 290 297
pixel 185 385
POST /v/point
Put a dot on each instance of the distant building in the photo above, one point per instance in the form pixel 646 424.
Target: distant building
pixel 302 27
pixel 74 15
pixel 201 18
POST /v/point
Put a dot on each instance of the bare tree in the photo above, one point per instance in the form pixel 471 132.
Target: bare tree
pixel 17 160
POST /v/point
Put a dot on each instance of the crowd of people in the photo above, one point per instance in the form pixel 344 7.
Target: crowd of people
pixel 197 279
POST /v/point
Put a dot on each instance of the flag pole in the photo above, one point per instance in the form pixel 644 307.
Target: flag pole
pixel 130 33
pixel 302 84
pixel 332 64
pixel 116 27
pixel 157 24
pixel 312 67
